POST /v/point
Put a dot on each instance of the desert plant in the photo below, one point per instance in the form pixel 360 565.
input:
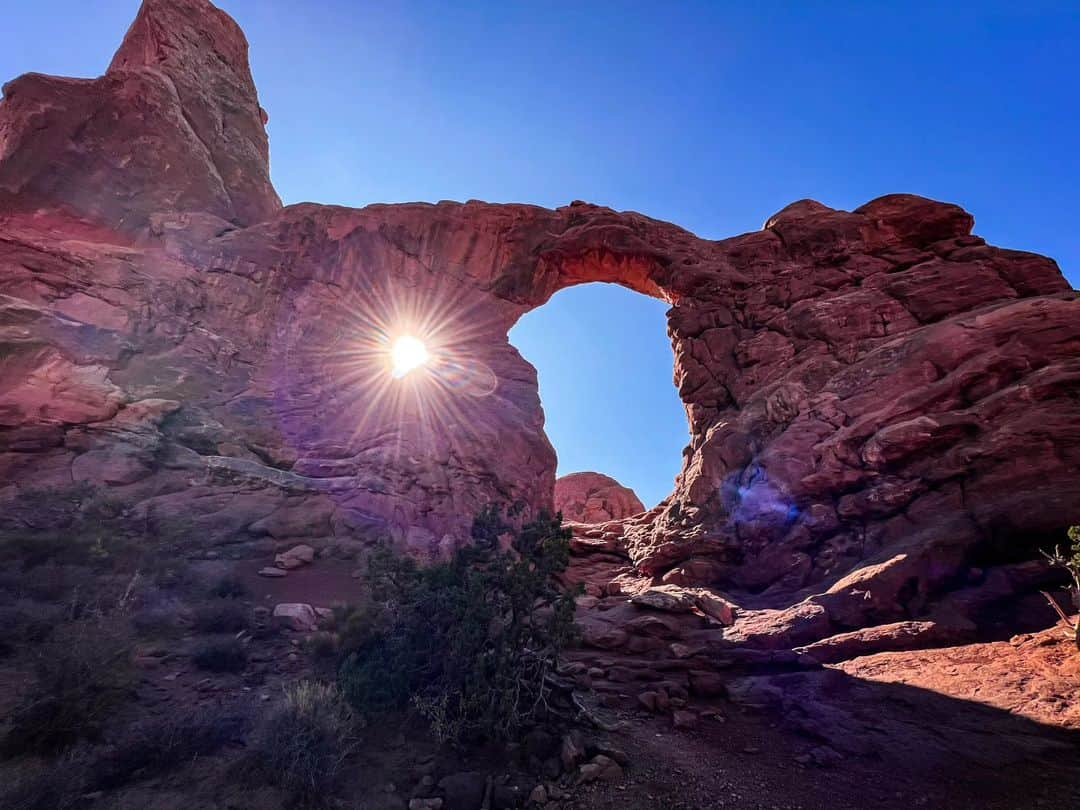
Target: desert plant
pixel 83 673
pixel 321 646
pixel 162 744
pixel 27 622
pixel 471 642
pixel 166 569
pixel 58 785
pixel 72 525
pixel 1071 563
pixel 229 588
pixel 160 620
pixel 87 527
pixel 220 655
pixel 303 743
pixel 221 616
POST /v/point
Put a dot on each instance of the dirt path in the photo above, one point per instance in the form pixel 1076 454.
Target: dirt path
pixel 751 761
pixel 321 584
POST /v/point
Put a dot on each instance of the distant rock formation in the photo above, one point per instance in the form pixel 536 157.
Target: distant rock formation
pixel 590 497
pixel 881 405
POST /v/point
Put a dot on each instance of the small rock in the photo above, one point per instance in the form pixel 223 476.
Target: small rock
pixel 648 701
pixel 705 683
pixel 616 754
pixel 296 615
pixel 434 803
pixel 295 557
pixel 463 791
pixel 683 719
pixel 715 607
pixel 824 757
pixel 539 795
pixel 682 650
pixel 572 752
pixel 600 768
pixel 272 572
pixel 670 598
pixel 663 702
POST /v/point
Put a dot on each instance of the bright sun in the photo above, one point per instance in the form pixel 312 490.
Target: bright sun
pixel 406 354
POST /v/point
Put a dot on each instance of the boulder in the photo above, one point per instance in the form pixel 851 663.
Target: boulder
pixel 589 497
pixel 684 720
pixel 600 768
pixel 715 606
pixel 669 598
pixel 295 557
pixel 297 616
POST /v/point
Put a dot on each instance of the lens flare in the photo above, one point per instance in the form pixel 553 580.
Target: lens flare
pixel 401 371
pixel 407 354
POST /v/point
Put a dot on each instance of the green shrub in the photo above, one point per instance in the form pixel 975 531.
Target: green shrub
pixel 468 642
pixel 162 620
pixel 72 525
pixel 221 616
pixel 165 569
pixel 321 646
pixel 229 588
pixel 27 622
pixel 83 526
pixel 83 673
pixel 53 582
pixel 220 655
pixel 163 744
pixel 302 745
pixel 59 785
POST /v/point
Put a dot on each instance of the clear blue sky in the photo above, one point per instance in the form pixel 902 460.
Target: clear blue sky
pixel 713 115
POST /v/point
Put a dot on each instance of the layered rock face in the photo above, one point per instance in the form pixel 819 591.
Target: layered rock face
pixel 873 396
pixel 590 497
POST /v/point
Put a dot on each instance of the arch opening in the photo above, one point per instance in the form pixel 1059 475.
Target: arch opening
pixel 605 372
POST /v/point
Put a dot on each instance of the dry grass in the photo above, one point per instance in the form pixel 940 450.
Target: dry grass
pixel 83 673
pixel 302 745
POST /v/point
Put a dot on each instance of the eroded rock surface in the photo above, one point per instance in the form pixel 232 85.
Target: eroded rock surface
pixel 882 407
pixel 589 497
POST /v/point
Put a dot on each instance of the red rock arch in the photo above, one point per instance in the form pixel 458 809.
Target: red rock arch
pixel 876 386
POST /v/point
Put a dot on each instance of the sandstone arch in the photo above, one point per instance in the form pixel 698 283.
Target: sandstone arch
pixel 873 396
